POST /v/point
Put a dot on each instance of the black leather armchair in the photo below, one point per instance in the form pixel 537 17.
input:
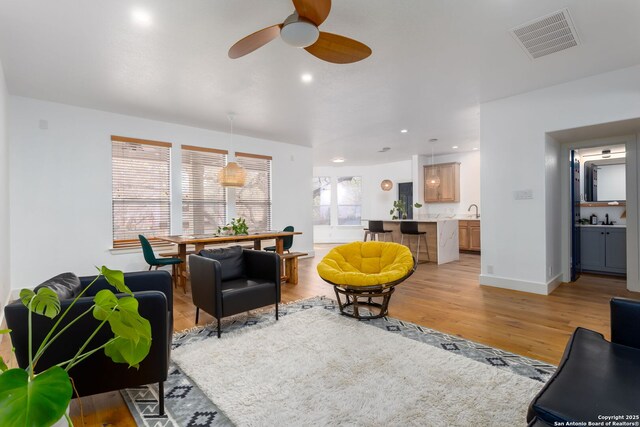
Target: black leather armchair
pixel 232 280
pixel 595 378
pixel 98 373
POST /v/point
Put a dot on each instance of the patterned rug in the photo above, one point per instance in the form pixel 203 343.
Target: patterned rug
pixel 186 405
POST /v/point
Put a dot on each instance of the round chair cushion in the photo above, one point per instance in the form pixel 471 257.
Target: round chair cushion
pixel 366 263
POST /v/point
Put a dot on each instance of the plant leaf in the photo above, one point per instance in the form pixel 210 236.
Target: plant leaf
pixel 132 331
pixel 115 279
pixel 26 295
pixel 40 402
pixel 123 350
pixel 104 301
pixel 45 302
pixel 3 366
pixel 126 322
pixel 5 331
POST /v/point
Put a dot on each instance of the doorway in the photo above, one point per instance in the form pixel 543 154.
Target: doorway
pixel 598 210
pixel 405 195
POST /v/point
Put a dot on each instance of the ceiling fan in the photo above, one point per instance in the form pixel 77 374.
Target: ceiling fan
pixel 300 29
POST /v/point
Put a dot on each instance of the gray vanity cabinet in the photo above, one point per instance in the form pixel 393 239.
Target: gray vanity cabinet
pixel 603 249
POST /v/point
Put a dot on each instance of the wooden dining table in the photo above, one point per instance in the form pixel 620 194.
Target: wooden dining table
pixel 200 241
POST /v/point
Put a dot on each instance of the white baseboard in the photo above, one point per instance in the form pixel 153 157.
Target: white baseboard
pixel 520 285
pixel 554 283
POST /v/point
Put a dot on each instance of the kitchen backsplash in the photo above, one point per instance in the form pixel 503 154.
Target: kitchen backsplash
pixel 615 212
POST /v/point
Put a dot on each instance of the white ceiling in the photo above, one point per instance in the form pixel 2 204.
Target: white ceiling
pixel 433 63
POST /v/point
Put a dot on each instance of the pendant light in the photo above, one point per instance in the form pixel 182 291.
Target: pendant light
pixel 386 185
pixel 433 180
pixel 232 175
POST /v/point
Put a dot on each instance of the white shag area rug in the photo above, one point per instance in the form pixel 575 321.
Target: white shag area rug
pixel 315 368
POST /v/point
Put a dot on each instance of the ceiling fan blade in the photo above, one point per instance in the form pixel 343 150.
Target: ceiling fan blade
pixel 338 49
pixel 254 41
pixel 315 11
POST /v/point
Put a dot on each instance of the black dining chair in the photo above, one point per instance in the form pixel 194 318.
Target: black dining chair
pixel 376 228
pixel 410 228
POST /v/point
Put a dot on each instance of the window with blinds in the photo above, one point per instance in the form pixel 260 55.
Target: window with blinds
pixel 253 201
pixel 141 190
pixel 204 200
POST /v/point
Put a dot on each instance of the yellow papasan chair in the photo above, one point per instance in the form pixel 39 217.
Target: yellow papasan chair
pixel 362 271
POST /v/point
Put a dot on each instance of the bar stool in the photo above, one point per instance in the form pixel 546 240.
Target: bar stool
pixel 410 228
pixel 376 228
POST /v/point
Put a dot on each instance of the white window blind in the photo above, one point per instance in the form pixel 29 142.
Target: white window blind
pixel 321 200
pixel 204 200
pixel 141 190
pixel 253 201
pixel 349 194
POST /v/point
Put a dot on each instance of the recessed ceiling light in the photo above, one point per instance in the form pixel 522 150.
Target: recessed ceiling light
pixel 141 17
pixel 338 160
pixel 306 78
pixel 404 131
pixel 454 147
pixel 475 148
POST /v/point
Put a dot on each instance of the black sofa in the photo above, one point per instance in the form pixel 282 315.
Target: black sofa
pixel 98 373
pixel 233 280
pixel 596 378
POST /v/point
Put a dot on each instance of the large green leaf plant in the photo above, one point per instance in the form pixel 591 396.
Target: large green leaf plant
pixel 30 399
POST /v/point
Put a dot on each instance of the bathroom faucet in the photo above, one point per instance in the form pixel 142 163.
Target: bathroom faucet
pixel 469 210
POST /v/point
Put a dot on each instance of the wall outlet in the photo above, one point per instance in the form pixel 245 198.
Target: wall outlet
pixel 43 124
pixel 489 269
pixel 549 271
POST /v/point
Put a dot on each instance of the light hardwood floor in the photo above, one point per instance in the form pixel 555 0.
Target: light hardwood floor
pixel 447 298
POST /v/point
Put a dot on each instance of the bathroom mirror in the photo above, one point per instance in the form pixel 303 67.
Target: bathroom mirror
pixel 605 180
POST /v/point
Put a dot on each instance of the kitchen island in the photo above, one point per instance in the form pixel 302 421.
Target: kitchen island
pixel 442 238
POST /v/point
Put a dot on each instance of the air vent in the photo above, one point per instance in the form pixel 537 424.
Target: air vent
pixel 546 35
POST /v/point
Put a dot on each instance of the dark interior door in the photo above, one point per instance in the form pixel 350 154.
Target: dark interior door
pixel 576 264
pixel 405 194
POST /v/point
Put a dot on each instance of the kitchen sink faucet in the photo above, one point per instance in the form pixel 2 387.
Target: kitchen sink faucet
pixel 469 210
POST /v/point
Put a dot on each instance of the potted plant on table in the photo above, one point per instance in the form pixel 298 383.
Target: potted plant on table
pixel 237 226
pixel 28 398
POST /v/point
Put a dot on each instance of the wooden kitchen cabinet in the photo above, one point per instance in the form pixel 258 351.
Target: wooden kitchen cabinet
pixel 469 235
pixel 449 189
pixel 474 235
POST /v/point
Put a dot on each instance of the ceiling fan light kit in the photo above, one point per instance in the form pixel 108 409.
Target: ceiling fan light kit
pixel 301 30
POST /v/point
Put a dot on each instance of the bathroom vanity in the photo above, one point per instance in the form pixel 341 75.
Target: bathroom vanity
pixel 603 248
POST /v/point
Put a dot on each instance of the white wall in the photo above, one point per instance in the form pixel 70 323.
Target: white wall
pixel 469 183
pixel 5 250
pixel 376 203
pixel 520 237
pixel 61 186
